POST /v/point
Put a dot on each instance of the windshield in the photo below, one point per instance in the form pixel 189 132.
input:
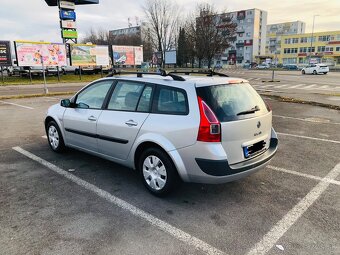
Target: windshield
pixel 233 101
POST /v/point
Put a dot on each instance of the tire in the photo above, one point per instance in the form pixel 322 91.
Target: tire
pixel 303 72
pixel 314 72
pixel 325 73
pixel 55 137
pixel 159 179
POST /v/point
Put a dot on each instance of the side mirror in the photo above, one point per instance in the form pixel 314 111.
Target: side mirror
pixel 65 103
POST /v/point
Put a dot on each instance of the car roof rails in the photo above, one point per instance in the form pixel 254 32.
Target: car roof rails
pixel 209 73
pixel 140 74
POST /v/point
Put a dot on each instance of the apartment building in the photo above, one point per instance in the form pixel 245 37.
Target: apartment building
pixel 302 49
pixel 250 40
pixel 276 31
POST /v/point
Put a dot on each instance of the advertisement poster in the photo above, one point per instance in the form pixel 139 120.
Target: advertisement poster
pixel 5 53
pixel 138 55
pixel 170 57
pixel 102 55
pixel 123 55
pixel 89 55
pixel 30 53
pixel 66 15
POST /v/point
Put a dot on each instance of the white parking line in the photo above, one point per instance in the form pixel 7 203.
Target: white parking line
pixel 279 169
pixel 310 86
pixel 310 138
pixel 306 120
pixel 173 231
pixel 299 85
pixel 19 105
pixel 281 227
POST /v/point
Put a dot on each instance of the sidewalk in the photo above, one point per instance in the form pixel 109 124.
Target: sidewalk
pixel 330 101
pixel 22 90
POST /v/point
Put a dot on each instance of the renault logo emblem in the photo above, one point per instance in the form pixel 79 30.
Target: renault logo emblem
pixel 259 124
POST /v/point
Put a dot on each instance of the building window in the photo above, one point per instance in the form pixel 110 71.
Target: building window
pixel 295 40
pixel 321 48
pixel 324 38
pixel 290 50
pixel 303 39
pixel 337 48
pixel 287 40
pixel 329 49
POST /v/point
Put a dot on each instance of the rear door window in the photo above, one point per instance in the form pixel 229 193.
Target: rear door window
pixel 125 96
pixel 230 101
pixel 171 101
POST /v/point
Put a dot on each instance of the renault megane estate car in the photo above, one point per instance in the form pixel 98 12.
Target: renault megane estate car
pixel 168 127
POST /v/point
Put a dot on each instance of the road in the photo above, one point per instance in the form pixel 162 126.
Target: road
pixel 291 81
pixel 73 203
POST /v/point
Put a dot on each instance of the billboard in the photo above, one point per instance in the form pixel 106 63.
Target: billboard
pixel 138 55
pixel 67 5
pixel 170 57
pixel 89 55
pixel 69 24
pixel 5 53
pixel 69 34
pixel 30 53
pixel 67 15
pixel 127 55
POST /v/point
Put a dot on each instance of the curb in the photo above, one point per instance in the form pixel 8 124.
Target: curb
pixel 37 95
pixel 300 101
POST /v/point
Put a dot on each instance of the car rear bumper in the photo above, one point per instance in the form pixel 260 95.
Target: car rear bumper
pixel 214 171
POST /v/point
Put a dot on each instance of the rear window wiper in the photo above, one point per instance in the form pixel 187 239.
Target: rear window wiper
pixel 252 110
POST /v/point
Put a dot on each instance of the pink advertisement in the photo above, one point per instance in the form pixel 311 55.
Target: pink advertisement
pixel 32 53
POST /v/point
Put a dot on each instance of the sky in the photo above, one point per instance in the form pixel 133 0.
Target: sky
pixel 34 20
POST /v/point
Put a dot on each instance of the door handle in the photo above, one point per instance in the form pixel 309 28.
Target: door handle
pixel 92 118
pixel 131 123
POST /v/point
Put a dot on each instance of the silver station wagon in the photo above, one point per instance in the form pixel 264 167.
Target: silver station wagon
pixel 169 126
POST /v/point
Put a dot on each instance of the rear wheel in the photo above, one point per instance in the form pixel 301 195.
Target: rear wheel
pixel 54 137
pixel 325 73
pixel 314 72
pixel 157 171
pixel 303 72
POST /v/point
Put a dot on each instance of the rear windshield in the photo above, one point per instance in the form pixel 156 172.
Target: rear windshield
pixel 233 101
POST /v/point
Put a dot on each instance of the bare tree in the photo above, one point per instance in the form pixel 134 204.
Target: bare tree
pixel 213 32
pixel 162 15
pixel 97 36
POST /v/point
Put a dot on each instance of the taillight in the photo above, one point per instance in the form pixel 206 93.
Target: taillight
pixel 210 128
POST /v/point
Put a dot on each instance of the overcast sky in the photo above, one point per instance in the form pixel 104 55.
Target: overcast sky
pixel 34 20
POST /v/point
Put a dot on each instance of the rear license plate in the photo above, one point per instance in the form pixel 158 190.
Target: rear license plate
pixel 254 149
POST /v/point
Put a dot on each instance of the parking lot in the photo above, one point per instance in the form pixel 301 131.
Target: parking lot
pixel 73 203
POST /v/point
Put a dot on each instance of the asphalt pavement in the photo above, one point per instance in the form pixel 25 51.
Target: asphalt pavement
pixel 73 203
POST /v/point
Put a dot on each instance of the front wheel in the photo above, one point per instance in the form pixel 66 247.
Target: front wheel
pixel 314 72
pixel 158 172
pixel 303 72
pixel 325 73
pixel 54 137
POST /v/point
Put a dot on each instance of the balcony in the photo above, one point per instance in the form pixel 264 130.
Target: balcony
pixel 240 44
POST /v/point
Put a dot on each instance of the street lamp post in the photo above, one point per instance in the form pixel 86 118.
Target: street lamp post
pixel 311 40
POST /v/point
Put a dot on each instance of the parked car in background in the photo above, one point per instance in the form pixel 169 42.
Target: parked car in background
pixel 262 66
pixel 290 67
pixel 315 69
pixel 196 129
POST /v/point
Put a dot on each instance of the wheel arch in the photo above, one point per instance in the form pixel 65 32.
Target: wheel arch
pixel 173 154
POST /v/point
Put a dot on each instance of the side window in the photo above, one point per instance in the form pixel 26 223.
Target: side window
pixel 145 100
pixel 125 96
pixel 93 97
pixel 171 101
